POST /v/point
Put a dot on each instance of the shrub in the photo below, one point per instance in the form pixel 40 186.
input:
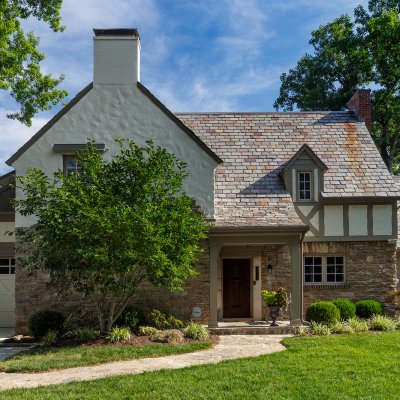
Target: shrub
pixel 45 320
pixel 275 299
pixel 381 323
pixel 49 338
pixel 85 334
pixel 358 325
pixel 119 334
pixel 367 308
pixel 346 308
pixel 320 329
pixel 147 331
pixel 304 330
pixel 168 336
pixel 397 322
pixel 341 327
pixel 132 317
pixel 196 331
pixel 323 311
pixel 164 321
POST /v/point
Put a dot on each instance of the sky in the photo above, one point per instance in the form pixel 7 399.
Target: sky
pixel 196 55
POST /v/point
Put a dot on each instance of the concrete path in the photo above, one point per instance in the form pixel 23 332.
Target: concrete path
pixel 230 347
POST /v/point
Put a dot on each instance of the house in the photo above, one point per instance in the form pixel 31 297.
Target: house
pixel 301 200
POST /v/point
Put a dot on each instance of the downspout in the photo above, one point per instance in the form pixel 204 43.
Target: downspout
pixel 303 322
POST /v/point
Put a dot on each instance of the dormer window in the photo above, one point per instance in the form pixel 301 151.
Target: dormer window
pixel 304 185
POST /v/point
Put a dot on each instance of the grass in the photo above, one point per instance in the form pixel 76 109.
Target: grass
pixel 46 359
pixel 359 366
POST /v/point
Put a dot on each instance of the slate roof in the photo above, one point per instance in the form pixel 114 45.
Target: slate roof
pixel 255 147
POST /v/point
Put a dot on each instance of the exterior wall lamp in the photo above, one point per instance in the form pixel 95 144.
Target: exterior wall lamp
pixel 269 268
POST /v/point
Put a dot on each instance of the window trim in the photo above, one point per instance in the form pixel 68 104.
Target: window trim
pixel 10 266
pixel 325 282
pixel 310 173
pixel 67 157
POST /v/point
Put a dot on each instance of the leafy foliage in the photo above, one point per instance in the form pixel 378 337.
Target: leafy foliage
pixel 45 320
pixel 358 325
pixel 104 230
pixel 341 327
pixel 147 331
pixel 382 323
pixel 318 328
pixel 20 59
pixel 368 308
pixel 85 334
pixel 350 53
pixel 275 298
pixel 49 338
pixel 323 312
pixel 196 331
pixel 132 317
pixel 346 308
pixel 119 334
pixel 165 321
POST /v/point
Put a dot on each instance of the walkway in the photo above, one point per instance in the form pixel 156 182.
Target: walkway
pixel 229 347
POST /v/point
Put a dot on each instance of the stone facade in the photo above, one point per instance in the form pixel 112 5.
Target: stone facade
pixel 36 292
pixel 370 271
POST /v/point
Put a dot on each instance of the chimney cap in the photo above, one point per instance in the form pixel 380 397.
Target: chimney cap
pixel 117 32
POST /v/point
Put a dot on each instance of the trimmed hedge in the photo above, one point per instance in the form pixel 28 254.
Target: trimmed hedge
pixel 368 308
pixel 46 320
pixel 323 312
pixel 346 308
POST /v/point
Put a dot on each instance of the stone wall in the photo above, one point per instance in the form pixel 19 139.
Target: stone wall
pixel 36 292
pixel 370 271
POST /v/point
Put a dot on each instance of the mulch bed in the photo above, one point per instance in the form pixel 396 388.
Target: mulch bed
pixel 103 341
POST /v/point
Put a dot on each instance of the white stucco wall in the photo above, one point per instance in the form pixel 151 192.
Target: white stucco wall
pixel 110 111
pixel 358 220
pixel 333 221
pixel 382 219
pixel 7 227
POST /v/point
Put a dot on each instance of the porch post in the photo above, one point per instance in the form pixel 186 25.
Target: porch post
pixel 296 309
pixel 214 251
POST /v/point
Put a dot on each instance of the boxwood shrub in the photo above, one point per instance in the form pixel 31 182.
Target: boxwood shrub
pixel 46 320
pixel 323 312
pixel 346 308
pixel 368 308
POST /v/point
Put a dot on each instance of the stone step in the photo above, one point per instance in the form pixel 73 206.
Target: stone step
pixel 254 330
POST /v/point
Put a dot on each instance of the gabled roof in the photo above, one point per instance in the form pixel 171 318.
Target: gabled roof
pixel 46 127
pixel 256 147
pixel 305 149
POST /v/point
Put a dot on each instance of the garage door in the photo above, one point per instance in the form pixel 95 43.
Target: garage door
pixel 7 292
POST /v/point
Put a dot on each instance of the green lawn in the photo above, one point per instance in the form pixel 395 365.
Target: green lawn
pixel 46 359
pixel 362 366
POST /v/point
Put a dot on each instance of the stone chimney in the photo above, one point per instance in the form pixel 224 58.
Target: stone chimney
pixel 360 104
pixel 116 56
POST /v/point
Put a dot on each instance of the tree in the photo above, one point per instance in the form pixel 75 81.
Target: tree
pixel 104 230
pixel 351 53
pixel 20 59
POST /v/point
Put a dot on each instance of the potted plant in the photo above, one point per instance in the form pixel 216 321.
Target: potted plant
pixel 275 301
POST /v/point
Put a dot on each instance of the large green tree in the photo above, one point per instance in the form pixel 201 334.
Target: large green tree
pixel 20 58
pixel 104 230
pixel 353 52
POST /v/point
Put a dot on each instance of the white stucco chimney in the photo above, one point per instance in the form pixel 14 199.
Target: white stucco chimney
pixel 116 56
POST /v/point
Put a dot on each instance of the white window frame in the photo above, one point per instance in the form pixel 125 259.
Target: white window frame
pixel 324 260
pixel 67 158
pixel 299 190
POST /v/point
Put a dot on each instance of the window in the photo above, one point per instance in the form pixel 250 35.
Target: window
pixel 7 266
pixel 324 270
pixel 304 185
pixel 71 165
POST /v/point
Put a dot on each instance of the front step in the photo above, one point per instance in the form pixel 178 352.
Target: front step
pixel 254 330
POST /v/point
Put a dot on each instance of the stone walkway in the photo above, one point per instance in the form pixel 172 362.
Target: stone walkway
pixel 229 347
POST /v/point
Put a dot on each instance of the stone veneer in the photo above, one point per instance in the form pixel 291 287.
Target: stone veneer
pixel 370 268
pixel 36 292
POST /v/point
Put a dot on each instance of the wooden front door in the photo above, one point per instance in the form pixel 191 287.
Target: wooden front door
pixel 236 282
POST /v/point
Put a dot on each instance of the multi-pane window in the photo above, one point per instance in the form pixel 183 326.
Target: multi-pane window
pixel 318 269
pixel 71 165
pixel 304 185
pixel 7 266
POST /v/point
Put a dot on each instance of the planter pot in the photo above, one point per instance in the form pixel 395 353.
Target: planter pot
pixel 274 313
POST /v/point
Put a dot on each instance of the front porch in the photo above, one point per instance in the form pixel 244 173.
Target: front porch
pixel 244 263
pixel 254 328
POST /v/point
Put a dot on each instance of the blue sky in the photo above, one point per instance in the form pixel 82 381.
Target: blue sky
pixel 204 55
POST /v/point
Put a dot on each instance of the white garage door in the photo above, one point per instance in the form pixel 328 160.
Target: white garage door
pixel 7 292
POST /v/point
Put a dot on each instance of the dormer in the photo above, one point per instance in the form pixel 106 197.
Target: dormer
pixel 303 176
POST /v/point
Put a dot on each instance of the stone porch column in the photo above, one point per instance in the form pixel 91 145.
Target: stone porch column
pixel 214 252
pixel 296 309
